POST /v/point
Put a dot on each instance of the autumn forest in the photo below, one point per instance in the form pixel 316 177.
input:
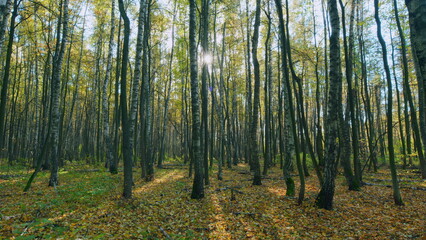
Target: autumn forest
pixel 212 119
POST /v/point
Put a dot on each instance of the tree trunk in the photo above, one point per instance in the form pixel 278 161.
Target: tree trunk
pixel 106 133
pixel 55 97
pixel 395 184
pixel 300 109
pixel 334 107
pixel 353 180
pixel 398 99
pixel 267 96
pixel 137 72
pixel 147 160
pixel 221 108
pixel 287 91
pixel 117 109
pixel 256 100
pixel 204 94
pixel 6 72
pixel 198 185
pixel 127 149
pixel 417 13
pixel 288 134
pixel 371 131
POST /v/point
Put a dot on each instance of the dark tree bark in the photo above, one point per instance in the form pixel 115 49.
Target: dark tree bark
pixel 268 96
pixel 287 137
pixel 408 95
pixel 257 180
pixel 353 180
pixel 147 160
pixel 198 185
pixel 371 131
pixel 395 184
pixel 127 149
pixel 55 97
pixel 289 143
pixel 334 107
pixel 286 83
pixel 299 111
pixel 416 14
pixel 46 123
pixel 6 72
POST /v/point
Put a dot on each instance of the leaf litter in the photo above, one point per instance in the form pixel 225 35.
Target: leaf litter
pixel 88 205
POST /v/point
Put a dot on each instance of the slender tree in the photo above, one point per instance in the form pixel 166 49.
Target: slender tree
pixel 371 130
pixel 395 185
pixel 408 94
pixel 417 13
pixel 137 72
pixel 55 97
pixel 398 100
pixel 249 98
pixel 353 180
pixel 127 149
pixel 299 109
pixel 147 160
pixel 334 106
pixel 198 186
pixel 267 94
pixel 117 109
pixel 257 180
pixel 288 137
pixel 287 90
pixel 106 132
pixel 206 57
pixel 6 72
pixel 221 107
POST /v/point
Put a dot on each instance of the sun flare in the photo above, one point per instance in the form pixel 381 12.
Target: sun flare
pixel 207 59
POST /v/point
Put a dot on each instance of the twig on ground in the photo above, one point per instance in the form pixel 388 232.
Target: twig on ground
pixel 165 233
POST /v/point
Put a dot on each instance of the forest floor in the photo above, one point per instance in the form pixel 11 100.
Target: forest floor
pixel 88 205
